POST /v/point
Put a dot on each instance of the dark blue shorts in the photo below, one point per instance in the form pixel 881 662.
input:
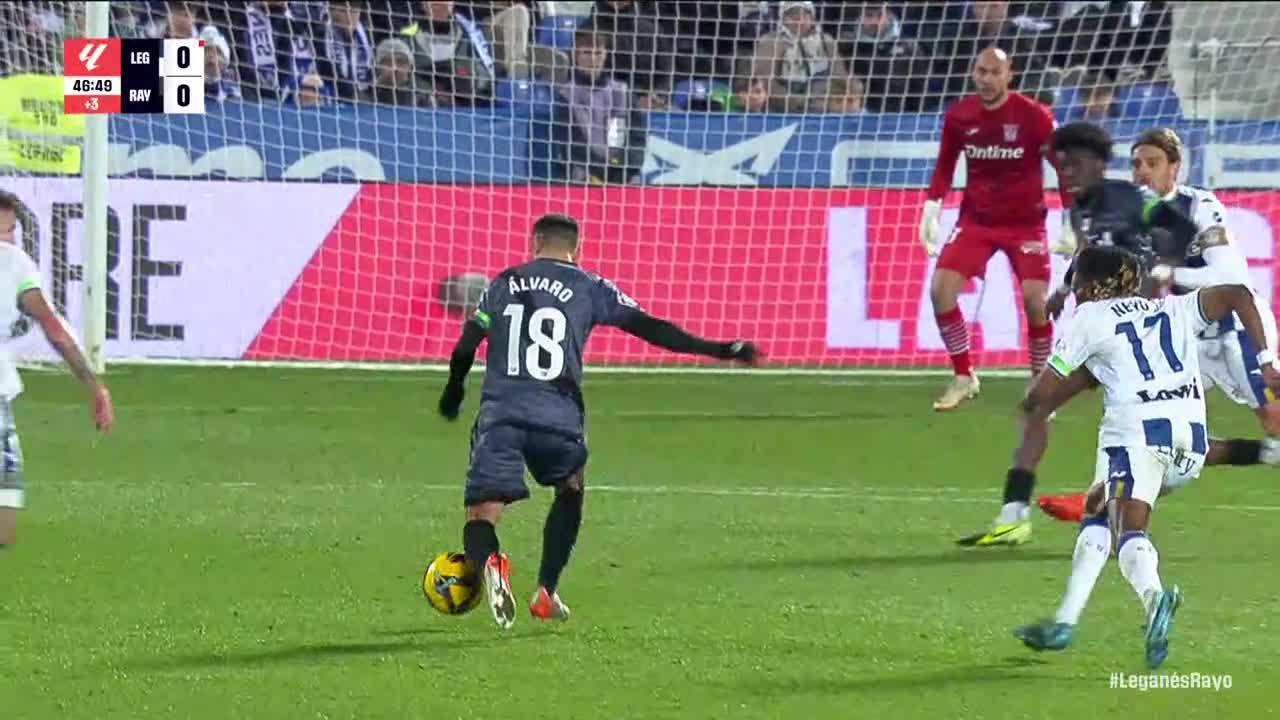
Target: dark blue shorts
pixel 500 453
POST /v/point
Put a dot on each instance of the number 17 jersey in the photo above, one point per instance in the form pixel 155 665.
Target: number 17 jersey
pixel 1145 354
pixel 538 317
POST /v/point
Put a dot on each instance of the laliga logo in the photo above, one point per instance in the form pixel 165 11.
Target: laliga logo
pixel 718 167
pixel 91 53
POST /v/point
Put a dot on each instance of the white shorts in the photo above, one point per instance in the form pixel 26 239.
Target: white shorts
pixel 11 492
pixel 1228 361
pixel 1141 472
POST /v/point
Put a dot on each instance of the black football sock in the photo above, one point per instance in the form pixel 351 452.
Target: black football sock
pixel 479 541
pixel 1243 452
pixel 558 537
pixel 1018 486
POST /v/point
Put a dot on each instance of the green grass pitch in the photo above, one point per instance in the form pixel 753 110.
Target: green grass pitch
pixel 250 545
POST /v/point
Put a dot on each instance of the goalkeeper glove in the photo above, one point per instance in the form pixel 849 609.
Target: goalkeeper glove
pixel 451 400
pixel 930 228
pixel 1065 244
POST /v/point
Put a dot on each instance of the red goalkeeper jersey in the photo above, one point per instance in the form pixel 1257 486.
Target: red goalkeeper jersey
pixel 1003 149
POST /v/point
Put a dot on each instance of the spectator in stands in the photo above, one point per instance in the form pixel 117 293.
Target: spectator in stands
pixel 606 133
pixel 31 36
pixel 704 35
pixel 179 22
pixel 454 58
pixel 798 61
pixel 347 59
pixel 639 55
pixel 311 91
pixel 750 95
pixel 896 70
pixel 1026 39
pixel 846 96
pixel 755 19
pixel 1128 39
pixel 125 21
pixel 1143 40
pixel 275 50
pixel 510 26
pixel 1099 99
pixel 385 18
pixel 394 81
pixel 219 78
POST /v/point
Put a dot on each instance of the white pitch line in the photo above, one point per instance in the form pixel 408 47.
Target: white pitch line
pixel 725 413
pixel 592 370
pixel 591 380
pixel 979 496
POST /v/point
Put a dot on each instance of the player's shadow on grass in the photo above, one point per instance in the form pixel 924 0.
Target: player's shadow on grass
pixel 311 653
pixel 1014 671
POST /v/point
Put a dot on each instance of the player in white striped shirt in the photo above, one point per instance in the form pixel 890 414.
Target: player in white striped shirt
pixel 20 286
pixel 1145 355
pixel 1227 356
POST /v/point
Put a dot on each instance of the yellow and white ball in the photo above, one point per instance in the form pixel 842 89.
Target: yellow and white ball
pixel 450 584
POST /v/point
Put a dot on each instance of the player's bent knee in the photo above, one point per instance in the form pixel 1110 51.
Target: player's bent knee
pixel 945 288
pixel 1036 309
pixel 576 483
pixel 489 510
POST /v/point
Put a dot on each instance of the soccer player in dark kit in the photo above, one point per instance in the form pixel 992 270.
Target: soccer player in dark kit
pixel 1104 212
pixel 1111 211
pixel 537 318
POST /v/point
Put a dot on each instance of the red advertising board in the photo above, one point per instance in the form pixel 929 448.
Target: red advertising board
pixel 819 277
pixel 344 272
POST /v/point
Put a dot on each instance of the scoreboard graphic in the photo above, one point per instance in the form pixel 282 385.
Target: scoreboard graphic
pixel 133 75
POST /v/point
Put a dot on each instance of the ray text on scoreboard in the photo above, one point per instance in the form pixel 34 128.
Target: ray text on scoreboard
pixel 133 75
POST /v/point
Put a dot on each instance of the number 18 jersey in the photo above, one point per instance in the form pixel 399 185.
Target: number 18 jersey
pixel 538 317
pixel 1145 354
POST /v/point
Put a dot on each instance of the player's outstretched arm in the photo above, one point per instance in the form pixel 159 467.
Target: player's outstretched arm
pixel 1049 391
pixel 1222 263
pixel 34 305
pixel 669 336
pixel 1219 301
pixel 460 362
pixel 1057 299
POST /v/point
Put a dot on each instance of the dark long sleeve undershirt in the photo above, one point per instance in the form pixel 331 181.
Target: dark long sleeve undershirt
pixel 670 337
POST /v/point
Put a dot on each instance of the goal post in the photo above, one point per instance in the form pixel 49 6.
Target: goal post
pixel 361 170
pixel 94 176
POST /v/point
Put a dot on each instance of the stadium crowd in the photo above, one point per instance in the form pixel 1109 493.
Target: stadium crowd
pixel 604 64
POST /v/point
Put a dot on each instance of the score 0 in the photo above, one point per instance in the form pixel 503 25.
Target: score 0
pixel 183 71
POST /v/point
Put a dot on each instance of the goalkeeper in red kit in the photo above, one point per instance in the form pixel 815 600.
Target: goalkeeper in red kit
pixel 1004 137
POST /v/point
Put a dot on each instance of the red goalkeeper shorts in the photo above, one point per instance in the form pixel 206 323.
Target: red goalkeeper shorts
pixel 970 247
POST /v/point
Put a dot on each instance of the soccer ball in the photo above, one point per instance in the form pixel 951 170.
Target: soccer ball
pixel 450 584
pixel 460 294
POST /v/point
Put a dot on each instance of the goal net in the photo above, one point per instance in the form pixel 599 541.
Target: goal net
pixel 745 169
